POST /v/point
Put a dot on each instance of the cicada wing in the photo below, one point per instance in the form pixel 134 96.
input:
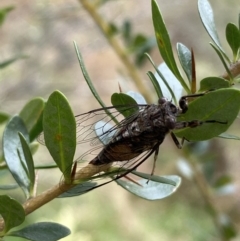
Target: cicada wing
pixel 94 130
pixel 97 124
pixel 113 172
pixel 86 123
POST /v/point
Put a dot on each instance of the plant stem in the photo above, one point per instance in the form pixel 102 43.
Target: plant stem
pixel 120 51
pixel 36 202
pixel 234 69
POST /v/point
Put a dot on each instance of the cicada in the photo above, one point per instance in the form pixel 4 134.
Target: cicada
pixel 116 150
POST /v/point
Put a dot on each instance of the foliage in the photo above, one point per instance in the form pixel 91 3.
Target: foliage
pixel 55 118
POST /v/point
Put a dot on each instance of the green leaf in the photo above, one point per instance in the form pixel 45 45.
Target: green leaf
pixel 46 166
pixel 13 151
pixel 78 189
pixel 219 53
pixel 141 45
pixel 3 117
pixel 59 128
pixel 112 29
pixel 233 38
pixel 228 228
pixel 151 190
pixel 87 77
pixel 222 181
pixel 220 105
pixel 164 80
pixel 138 41
pixel 29 161
pixel 164 43
pixel 4 12
pixel 5 63
pixel 206 15
pixel 8 186
pixel 155 84
pixel 229 136
pixel 127 31
pixel 46 231
pixel 89 82
pixel 120 99
pixel 213 83
pixel 155 178
pixel 145 47
pixel 32 116
pixel 185 57
pixel 12 212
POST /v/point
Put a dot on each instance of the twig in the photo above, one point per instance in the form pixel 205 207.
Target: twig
pixel 234 69
pixel 47 196
pixel 106 30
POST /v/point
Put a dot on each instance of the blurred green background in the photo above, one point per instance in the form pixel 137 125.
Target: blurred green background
pixel 44 32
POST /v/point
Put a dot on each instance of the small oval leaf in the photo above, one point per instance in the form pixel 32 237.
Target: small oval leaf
pixel 185 57
pixel 3 117
pixel 206 15
pixel 46 231
pixel 222 181
pixel 11 211
pixel 151 190
pixel 228 229
pixel 31 114
pixel 233 38
pixel 213 83
pixel 220 105
pixel 29 161
pixel 13 152
pixel 60 131
pixel 120 99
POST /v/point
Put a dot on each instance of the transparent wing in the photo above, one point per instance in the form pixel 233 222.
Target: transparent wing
pixel 96 126
pixel 116 171
pixel 94 130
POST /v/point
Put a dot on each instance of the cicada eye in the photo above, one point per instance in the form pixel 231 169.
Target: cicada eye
pixel 173 108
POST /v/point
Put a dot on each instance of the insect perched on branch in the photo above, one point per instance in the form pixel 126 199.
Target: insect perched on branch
pixel 119 149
